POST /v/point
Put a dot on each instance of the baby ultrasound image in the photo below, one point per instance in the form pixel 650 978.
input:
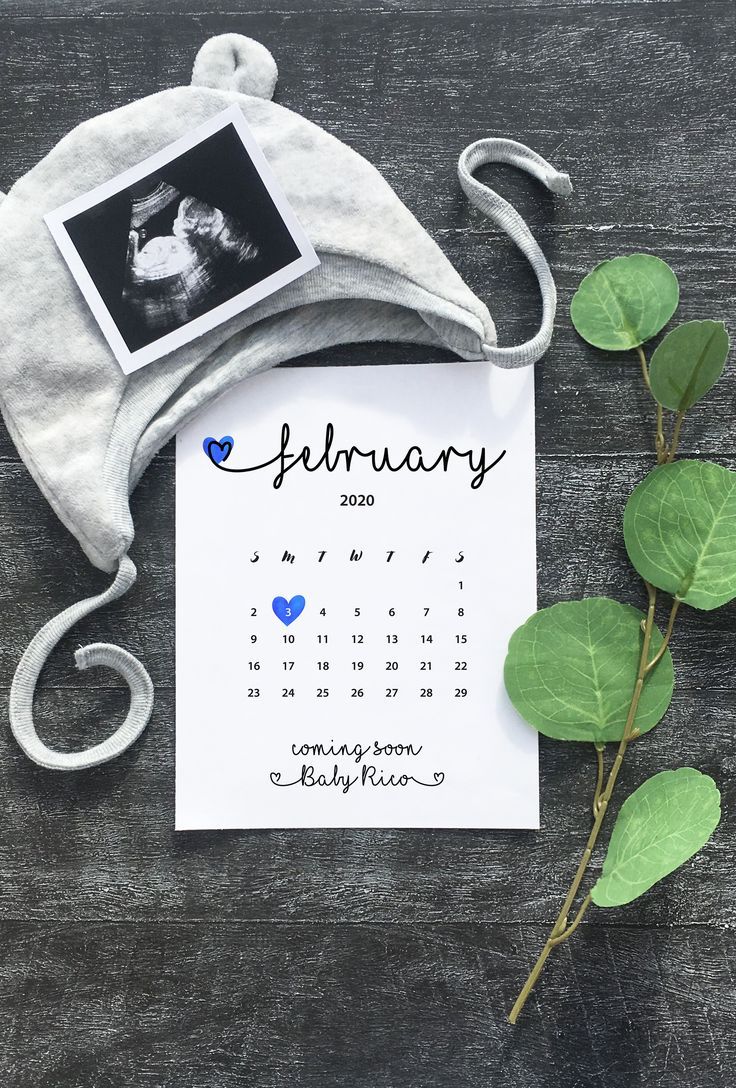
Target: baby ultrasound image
pixel 184 256
pixel 173 246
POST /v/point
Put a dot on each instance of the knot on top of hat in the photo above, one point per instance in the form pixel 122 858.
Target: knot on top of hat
pixel 232 62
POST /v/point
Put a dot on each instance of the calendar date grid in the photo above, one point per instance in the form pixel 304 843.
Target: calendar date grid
pixel 395 652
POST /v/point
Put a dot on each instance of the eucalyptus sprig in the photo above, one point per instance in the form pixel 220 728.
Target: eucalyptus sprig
pixel 598 671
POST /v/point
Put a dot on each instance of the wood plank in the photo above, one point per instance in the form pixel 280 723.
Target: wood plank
pixel 633 144
pixel 304 9
pixel 323 1006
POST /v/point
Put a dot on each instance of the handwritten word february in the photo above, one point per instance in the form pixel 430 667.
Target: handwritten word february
pixel 330 459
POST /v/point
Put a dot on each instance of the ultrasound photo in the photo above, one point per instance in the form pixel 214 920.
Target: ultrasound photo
pixel 163 255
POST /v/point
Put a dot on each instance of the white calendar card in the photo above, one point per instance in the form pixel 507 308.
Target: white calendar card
pixel 354 548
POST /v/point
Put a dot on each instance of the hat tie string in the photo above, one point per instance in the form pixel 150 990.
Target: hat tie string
pixel 504 215
pixel 99 653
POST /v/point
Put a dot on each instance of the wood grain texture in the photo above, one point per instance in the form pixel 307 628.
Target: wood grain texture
pixel 385 1005
pixel 132 955
pixel 111 8
pixel 578 84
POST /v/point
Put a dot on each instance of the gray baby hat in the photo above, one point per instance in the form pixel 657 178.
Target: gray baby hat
pixel 86 431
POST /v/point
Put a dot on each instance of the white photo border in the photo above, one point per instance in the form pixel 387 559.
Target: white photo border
pixel 130 361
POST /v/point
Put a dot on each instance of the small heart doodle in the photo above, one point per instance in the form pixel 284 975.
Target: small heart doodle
pixel 288 611
pixel 218 451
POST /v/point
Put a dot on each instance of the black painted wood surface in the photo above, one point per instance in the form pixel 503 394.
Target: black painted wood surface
pixel 386 959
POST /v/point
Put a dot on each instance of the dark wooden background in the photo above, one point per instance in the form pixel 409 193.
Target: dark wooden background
pixel 130 955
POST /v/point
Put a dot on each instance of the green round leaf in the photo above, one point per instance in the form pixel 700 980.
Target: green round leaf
pixel 687 363
pixel 680 531
pixel 624 302
pixel 659 827
pixel 571 669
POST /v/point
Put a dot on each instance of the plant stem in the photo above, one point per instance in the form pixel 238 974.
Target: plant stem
pixel 667 636
pixel 560 928
pixel 644 368
pixel 575 922
pixel 599 778
pixel 660 443
pixel 675 438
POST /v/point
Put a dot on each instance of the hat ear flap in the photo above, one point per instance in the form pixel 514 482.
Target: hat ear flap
pixel 232 62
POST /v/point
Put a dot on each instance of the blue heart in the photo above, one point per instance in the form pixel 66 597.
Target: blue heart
pixel 218 451
pixel 288 611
